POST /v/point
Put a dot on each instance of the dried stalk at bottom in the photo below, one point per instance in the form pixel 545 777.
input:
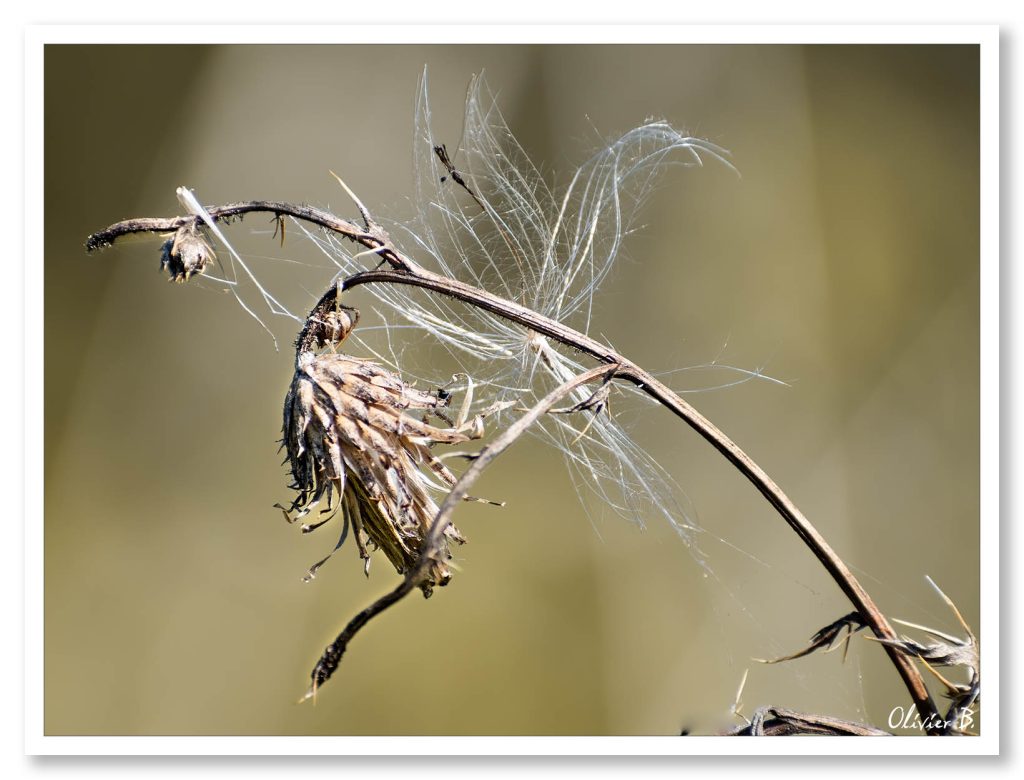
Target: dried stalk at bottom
pixel 351 438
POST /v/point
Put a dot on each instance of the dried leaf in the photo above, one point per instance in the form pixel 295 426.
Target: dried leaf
pixel 826 637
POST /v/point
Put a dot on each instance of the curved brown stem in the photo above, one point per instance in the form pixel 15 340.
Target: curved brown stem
pixel 629 371
pixel 372 236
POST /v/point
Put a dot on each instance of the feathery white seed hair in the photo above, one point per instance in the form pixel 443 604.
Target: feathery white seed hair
pixel 546 250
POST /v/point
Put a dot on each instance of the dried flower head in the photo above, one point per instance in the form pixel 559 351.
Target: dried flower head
pixel 185 253
pixel 353 440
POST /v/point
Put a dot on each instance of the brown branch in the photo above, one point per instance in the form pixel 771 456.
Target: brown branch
pixel 372 236
pixel 431 545
pixel 780 722
pixel 406 271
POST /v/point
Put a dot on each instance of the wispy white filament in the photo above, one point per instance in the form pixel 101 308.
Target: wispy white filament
pixel 188 199
pixel 549 251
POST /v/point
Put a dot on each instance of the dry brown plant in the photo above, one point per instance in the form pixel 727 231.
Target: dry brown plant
pixel 360 441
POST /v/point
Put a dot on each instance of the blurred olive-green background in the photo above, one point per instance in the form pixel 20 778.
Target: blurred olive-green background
pixel 843 260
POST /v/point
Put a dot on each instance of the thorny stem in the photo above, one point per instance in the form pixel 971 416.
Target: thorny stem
pixel 372 237
pixel 406 271
pixel 431 545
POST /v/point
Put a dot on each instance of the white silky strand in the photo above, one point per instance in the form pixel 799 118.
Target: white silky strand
pixel 188 199
pixel 516 238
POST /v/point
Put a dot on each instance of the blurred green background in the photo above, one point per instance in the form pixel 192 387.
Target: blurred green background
pixel 844 260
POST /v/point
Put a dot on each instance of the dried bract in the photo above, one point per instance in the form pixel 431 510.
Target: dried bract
pixel 185 253
pixel 354 443
pixel 826 638
pixel 948 651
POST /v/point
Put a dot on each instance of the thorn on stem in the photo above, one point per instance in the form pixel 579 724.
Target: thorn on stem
pixel 367 219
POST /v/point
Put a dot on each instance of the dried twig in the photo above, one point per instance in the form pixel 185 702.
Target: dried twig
pixel 780 722
pixel 372 237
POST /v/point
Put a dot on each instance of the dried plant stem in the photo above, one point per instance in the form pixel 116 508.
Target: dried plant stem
pixel 630 372
pixel 778 721
pixel 406 271
pixel 431 545
pixel 229 211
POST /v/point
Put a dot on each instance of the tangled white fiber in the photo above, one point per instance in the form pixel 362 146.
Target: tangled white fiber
pixel 505 230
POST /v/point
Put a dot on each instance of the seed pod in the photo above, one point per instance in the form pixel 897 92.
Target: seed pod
pixel 186 253
pixel 352 439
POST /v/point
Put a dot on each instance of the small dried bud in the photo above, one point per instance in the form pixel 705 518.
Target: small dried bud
pixel 186 253
pixel 332 327
pixel 351 439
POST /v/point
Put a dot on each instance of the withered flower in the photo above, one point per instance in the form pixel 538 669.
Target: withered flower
pixel 185 253
pixel 352 439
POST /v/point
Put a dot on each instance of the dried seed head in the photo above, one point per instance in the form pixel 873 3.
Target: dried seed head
pixel 352 439
pixel 185 253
